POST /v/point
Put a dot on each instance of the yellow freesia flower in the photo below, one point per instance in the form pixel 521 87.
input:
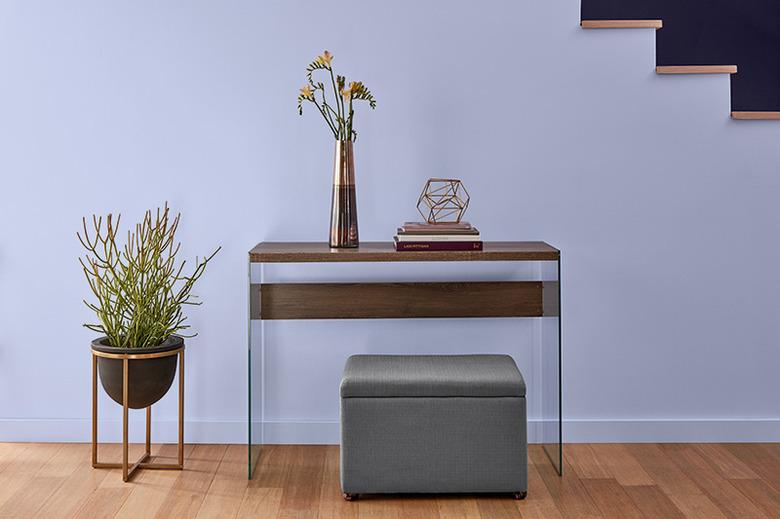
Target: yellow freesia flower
pixel 325 58
pixel 306 92
pixel 354 88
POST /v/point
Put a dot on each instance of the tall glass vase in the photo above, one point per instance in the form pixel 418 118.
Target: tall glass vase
pixel 343 209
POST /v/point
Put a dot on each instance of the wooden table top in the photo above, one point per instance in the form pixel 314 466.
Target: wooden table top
pixel 320 252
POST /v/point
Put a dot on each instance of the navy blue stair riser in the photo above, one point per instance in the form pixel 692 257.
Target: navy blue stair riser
pixel 745 33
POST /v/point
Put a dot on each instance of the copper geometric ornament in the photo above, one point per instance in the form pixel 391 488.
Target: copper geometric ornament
pixel 443 200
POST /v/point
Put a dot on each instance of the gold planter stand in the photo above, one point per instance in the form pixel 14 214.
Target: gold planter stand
pixel 142 463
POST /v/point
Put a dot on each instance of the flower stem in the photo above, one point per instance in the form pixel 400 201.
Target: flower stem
pixel 326 107
pixel 339 105
pixel 325 116
pixel 351 114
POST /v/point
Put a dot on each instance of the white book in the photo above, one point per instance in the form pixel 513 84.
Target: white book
pixel 439 237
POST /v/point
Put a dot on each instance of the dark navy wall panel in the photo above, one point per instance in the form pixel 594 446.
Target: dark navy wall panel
pixel 745 33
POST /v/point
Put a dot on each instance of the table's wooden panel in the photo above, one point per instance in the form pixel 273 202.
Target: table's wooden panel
pixel 398 300
pixel 319 252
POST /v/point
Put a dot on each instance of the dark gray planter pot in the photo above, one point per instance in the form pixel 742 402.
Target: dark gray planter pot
pixel 148 379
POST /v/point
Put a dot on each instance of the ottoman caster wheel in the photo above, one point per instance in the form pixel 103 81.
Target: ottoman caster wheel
pixel 350 497
pixel 520 495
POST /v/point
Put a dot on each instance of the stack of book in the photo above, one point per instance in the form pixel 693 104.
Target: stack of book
pixel 421 236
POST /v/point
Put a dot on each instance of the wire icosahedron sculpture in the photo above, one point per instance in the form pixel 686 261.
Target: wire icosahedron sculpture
pixel 443 200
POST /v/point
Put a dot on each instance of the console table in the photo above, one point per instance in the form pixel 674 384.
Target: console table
pixel 538 298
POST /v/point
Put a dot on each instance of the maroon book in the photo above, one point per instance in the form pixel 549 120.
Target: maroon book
pixel 407 246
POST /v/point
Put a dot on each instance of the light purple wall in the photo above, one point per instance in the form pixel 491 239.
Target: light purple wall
pixel 665 210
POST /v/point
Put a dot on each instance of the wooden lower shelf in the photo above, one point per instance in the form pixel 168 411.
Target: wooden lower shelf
pixel 404 300
pixel 756 116
pixel 696 69
pixel 621 24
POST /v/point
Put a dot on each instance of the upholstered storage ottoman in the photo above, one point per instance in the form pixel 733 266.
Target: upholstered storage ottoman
pixel 433 424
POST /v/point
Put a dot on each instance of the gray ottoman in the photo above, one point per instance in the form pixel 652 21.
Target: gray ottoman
pixel 433 424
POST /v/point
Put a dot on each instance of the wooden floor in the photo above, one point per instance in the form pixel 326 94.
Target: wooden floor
pixel 622 481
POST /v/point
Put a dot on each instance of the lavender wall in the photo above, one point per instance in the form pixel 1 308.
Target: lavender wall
pixel 666 210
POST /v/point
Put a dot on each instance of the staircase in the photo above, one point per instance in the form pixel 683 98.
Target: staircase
pixel 736 37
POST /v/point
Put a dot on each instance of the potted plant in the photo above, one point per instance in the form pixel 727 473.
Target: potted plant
pixel 338 115
pixel 140 290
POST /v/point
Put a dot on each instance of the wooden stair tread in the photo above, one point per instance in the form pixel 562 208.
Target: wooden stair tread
pixel 756 116
pixel 731 39
pixel 621 24
pixel 696 69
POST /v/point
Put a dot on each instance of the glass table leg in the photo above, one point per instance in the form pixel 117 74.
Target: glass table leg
pixel 552 423
pixel 254 386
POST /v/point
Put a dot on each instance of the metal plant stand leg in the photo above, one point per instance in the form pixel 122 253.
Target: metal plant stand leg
pixel 125 411
pixel 94 412
pixel 143 463
pixel 181 410
pixel 149 431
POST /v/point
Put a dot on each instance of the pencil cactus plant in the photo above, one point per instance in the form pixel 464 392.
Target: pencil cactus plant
pixel 140 287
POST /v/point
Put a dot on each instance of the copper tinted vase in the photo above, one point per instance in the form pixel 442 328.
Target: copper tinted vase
pixel 343 209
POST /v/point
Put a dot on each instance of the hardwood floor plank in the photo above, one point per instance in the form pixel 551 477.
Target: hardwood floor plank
pixel 151 487
pixel 274 464
pixel 458 506
pixel 332 504
pixel 761 494
pixel 497 507
pixel 669 478
pixel 728 499
pixel 378 507
pixel 77 488
pixel 7 452
pixel 697 506
pixel 303 482
pixel 105 502
pixel 187 493
pixel 584 461
pixel 30 497
pixel 570 496
pixel 224 496
pixel 539 504
pixel 772 448
pixel 22 466
pixel 652 502
pixel 419 507
pixel 728 465
pixel 264 493
pixel 260 502
pixel 620 464
pixel 611 500
pixel 680 488
pixel 756 458
pixel 112 492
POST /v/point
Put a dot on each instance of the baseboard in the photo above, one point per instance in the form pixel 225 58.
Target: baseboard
pixel 327 432
pixel 741 430
pixel 80 430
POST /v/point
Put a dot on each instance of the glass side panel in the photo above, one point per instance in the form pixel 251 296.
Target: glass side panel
pixel 254 385
pixel 254 428
pixel 551 414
